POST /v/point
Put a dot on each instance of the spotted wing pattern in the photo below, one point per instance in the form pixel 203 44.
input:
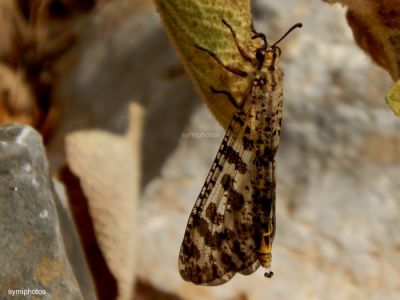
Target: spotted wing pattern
pixel 219 238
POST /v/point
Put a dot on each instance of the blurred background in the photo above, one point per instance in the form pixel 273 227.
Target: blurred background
pixel 338 165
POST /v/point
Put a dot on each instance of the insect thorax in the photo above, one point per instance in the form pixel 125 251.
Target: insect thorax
pixel 266 111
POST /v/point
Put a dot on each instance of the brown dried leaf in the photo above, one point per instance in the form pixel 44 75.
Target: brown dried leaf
pixel 8 21
pixel 35 37
pixel 17 104
pixel 376 29
pixel 108 168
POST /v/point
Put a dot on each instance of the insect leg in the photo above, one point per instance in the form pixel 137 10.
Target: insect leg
pixel 229 95
pixel 241 50
pixel 218 60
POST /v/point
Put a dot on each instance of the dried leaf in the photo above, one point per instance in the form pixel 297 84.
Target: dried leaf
pixel 376 29
pixel 108 168
pixel 17 104
pixel 191 22
pixel 36 37
pixel 7 26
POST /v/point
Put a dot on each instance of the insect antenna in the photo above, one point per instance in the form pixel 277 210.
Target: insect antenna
pixel 299 25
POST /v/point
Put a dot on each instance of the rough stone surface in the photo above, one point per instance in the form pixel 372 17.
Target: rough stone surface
pixel 32 251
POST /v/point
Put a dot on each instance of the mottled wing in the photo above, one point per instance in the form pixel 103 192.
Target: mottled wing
pixel 251 269
pixel 219 238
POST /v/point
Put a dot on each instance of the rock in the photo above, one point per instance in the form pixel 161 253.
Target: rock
pixel 33 257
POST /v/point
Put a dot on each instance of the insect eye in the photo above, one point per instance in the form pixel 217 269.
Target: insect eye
pixel 260 54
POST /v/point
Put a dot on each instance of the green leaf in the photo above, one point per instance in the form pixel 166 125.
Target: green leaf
pixel 190 22
pixel 393 98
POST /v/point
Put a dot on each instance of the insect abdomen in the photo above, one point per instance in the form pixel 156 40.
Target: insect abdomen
pixel 265 247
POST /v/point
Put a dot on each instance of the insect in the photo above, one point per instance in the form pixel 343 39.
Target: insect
pixel 232 224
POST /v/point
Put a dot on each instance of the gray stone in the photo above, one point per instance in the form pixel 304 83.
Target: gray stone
pixel 33 258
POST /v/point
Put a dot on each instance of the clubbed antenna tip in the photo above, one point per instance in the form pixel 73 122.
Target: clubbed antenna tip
pixel 297 25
